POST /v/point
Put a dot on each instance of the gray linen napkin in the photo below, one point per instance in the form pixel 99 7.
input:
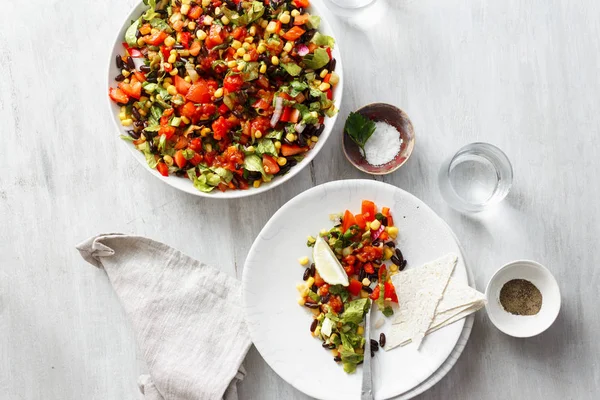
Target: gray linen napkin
pixel 186 315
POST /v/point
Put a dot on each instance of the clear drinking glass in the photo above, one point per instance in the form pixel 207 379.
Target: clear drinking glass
pixel 476 177
pixel 361 11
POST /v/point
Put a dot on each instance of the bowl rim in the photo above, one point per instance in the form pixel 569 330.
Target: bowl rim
pixel 329 122
pixel 528 263
pixel 414 141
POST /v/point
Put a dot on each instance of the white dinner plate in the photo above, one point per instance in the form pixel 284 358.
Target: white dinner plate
pixel 279 327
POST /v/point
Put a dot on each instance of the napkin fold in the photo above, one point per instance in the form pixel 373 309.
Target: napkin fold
pixel 186 315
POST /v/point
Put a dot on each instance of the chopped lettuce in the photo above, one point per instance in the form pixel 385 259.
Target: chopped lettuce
pixel 355 311
pixel 313 22
pixel 350 360
pixel 252 14
pixel 250 71
pixel 323 40
pixel 225 174
pixel 266 146
pixel 297 87
pixel 160 24
pixel 277 135
pixel 150 159
pixel 341 291
pixel 316 60
pixel 292 68
pixel 130 34
pixel 254 163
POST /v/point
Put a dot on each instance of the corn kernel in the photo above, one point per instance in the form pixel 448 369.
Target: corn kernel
pixel 241 51
pixel 247 57
pixel 335 78
pixel 252 30
pixel 264 23
pixel 217 10
pixel 309 239
pixel 184 53
pixel 148 104
pixel 285 18
pixel 283 54
pixel 250 149
pixel 168 159
pixel 360 330
pixel 154 31
pixel 261 48
pixel 186 1
pixel 256 184
pixel 258 134
pixel 125 73
pixel 304 261
pixel 127 122
pixel 323 73
pixel 288 47
pixel 168 80
pixel 185 119
pixel 366 282
pixel 225 20
pixel 204 132
pixel 232 64
pixel 290 137
pixel 172 58
pixel 334 352
pixel 208 20
pixel 263 68
pixel 200 34
pixel 219 93
pixel 246 46
pixel 187 79
pixel 122 116
pixel 295 13
pixel 169 41
pixel 314 139
pixel 393 232
pixel 317 331
pixel 393 268
pixel 277 145
pixel 315 311
pixel 314 114
pixel 174 72
pixel 208 147
pixel 275 60
pixel 172 90
pixel 166 85
pixel 185 9
pixel 206 3
pixel 141 41
pixel 192 25
pixel 301 300
pixel 249 39
pixel 387 253
pixel 142 112
pixel 271 27
pixel 323 232
pixel 282 161
pixel 323 87
pixel 241 64
pixel 375 224
pixel 236 44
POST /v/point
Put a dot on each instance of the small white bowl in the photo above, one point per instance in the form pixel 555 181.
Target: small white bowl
pixel 523 325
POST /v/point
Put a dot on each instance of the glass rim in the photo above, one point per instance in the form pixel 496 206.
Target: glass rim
pixel 341 4
pixel 503 158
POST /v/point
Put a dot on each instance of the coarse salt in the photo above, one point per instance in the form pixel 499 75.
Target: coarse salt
pixel 383 146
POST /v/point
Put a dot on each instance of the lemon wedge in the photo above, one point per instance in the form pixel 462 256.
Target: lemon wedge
pixel 327 264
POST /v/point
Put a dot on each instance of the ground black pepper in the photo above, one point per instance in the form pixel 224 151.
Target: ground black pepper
pixel 521 297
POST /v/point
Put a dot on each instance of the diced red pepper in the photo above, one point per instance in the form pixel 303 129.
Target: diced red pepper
pixel 182 85
pixel 360 221
pixel 375 294
pixel 195 12
pixel 291 150
pixel 133 52
pixel 285 115
pixel 223 109
pixel 347 220
pixel 180 159
pixel 354 287
pixel 162 168
pixel 368 210
pixel 390 292
pixel 294 33
pixel 329 94
pixel 156 38
pixel 185 38
pixel 118 96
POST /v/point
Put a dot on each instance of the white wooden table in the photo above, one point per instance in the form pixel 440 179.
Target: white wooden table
pixel 521 75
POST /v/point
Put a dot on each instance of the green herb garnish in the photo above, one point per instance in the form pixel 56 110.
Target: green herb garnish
pixel 359 128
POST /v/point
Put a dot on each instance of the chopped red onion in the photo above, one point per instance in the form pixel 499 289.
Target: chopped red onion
pixel 277 112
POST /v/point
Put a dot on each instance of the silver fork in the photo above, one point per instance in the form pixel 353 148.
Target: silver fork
pixel 367 383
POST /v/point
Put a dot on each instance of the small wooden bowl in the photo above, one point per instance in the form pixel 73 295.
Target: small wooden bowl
pixel 393 116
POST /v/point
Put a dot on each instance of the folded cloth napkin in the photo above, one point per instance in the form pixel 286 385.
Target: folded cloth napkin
pixel 186 315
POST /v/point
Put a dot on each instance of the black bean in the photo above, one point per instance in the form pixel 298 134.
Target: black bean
pixel 119 78
pixel 144 68
pixel 399 254
pixel 332 64
pixel 312 269
pixel 329 346
pixel 319 130
pixel 367 289
pixel 314 288
pixel 306 274
pixel 309 130
pixel 180 172
pixel 120 63
pixel 133 134
pixel 378 262
pixel 403 265
pixel 337 358
pixel 382 339
pixel 130 63
pixel 301 10
pixel 361 274
pixel 372 354
pixel 138 34
pixel 311 305
pixel 391 244
pixel 384 221
pixel 152 146
pixel 396 261
pixel 240 8
pixel 314 324
pixel 325 299
pixel 376 242
pixel 136 113
pixel 374 345
pixel 178 3
pixel 138 125
pixel 178 47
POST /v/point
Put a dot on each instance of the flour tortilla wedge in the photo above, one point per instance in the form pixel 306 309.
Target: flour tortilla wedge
pixel 458 301
pixel 419 292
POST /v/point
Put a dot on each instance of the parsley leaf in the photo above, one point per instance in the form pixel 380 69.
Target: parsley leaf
pixel 359 128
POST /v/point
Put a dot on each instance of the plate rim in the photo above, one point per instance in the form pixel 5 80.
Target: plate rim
pixel 468 322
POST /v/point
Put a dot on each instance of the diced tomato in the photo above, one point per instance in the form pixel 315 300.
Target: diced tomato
pixel 118 96
pixel 195 144
pixel 384 236
pixel 292 149
pixel 132 89
pixel 134 53
pixel 349 270
pixel 368 210
pixel 312 47
pixel 368 267
pixel 139 75
pixel 180 159
pixel 329 52
pixel 156 39
pixel 182 142
pixel 168 67
pixel 223 109
pixel 285 96
pixel 215 36
pixel 185 38
pixel 360 221
pixel 348 219
pixel 354 287
pixel 329 94
pixel 260 124
pixel 270 165
pixel 263 82
pixel 220 128
pixel 301 3
pixel 318 280
pixel 239 33
pixel 181 85
pixel 375 294
pixel 336 304
pixel 197 159
pixel 209 157
pixel 349 259
pixel 195 12
pixel 167 130
pixel 327 78
pixel 168 112
pixel 323 290
pixel 262 104
pixel 295 115
pixel 233 83
pixel 294 33
pixel 201 91
pixel 301 19
pixel 188 110
pixel 285 115
pixel 390 292
pixel 277 27
pixel 162 168
pixel 166 51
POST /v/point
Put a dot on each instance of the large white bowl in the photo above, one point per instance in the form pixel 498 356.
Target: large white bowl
pixel 185 184
pixel 279 327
